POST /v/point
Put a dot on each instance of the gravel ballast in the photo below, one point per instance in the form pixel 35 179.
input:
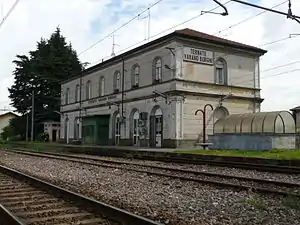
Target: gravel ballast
pixel 169 201
pixel 292 178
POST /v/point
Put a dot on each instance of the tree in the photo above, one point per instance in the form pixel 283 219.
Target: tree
pixel 42 71
pixel 7 132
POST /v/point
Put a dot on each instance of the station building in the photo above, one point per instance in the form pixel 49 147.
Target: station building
pixel 148 96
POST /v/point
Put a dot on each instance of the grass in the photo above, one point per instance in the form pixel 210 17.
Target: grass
pixel 257 204
pixel 35 146
pixel 292 202
pixel 273 154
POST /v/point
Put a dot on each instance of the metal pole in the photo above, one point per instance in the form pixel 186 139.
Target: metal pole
pixel 32 115
pixel 27 127
pixel 204 121
pixel 123 85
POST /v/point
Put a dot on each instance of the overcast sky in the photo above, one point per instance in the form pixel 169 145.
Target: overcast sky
pixel 84 22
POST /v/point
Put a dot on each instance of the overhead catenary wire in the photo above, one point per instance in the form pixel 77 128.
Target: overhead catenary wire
pixel 163 31
pixel 117 29
pixel 9 12
pixel 249 18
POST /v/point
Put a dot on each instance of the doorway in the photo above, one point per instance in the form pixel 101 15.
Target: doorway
pixel 54 133
pixel 156 128
pixel 135 128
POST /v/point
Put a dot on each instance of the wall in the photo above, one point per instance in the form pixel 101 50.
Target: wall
pixel 192 125
pixel 143 59
pixel 4 121
pixel 297 115
pixel 243 67
pixel 146 105
pixel 255 142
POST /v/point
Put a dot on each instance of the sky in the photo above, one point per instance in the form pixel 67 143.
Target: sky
pixel 86 22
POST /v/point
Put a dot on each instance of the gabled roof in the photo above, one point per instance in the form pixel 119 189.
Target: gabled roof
pixel 8 113
pixel 217 40
pixel 296 109
pixel 184 33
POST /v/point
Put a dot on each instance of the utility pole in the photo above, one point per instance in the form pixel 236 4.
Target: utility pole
pixel 32 115
pixel 27 127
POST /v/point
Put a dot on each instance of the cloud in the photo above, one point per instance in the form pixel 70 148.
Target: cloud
pixel 84 22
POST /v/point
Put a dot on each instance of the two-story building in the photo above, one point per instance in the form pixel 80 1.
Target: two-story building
pixel 148 96
pixel 296 115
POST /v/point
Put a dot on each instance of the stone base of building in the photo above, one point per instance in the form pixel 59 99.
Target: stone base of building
pixel 166 143
pixel 254 142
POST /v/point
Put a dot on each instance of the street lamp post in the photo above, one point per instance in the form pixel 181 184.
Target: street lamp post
pixel 203 111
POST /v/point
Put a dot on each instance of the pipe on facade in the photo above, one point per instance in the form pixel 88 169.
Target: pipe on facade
pixel 123 85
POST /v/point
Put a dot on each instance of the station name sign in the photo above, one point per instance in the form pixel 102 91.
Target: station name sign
pixel 198 55
pixel 102 99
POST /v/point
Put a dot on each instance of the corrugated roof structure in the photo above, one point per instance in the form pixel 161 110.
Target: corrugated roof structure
pixel 280 122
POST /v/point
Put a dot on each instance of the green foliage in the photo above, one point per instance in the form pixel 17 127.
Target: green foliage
pixel 292 202
pixel 44 137
pixel 42 71
pixel 257 204
pixel 7 132
pixel 272 154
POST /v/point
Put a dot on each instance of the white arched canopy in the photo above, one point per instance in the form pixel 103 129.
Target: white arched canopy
pixel 262 122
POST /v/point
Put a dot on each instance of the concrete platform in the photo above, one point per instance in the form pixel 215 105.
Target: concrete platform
pixel 130 148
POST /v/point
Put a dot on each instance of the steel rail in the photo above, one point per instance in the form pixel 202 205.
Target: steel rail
pixel 186 160
pixel 6 217
pixel 97 207
pixel 86 160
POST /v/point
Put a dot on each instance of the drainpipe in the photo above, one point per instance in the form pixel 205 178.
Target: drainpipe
pixel 123 85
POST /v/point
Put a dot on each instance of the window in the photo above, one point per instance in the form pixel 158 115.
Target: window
pixel 67 96
pixel 157 66
pixel 77 93
pixel 102 86
pixel 76 128
pixel 135 76
pixel 221 72
pixel 88 90
pixel 117 81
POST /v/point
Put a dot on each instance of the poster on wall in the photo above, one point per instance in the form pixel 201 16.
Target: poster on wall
pixel 198 55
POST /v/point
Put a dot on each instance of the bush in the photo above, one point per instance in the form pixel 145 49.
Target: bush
pixel 44 137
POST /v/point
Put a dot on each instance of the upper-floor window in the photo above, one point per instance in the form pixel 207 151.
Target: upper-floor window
pixel 77 93
pixel 157 69
pixel 88 90
pixel 101 86
pixel 221 72
pixel 67 96
pixel 135 76
pixel 117 81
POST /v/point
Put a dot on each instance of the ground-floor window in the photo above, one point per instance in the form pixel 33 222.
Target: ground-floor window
pixel 117 129
pixel 76 128
pixel 66 130
pixel 156 127
pixel 135 128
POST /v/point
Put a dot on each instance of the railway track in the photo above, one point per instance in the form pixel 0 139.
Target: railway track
pixel 28 200
pixel 237 182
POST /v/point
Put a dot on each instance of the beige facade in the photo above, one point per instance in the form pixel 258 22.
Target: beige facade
pixel 296 115
pixel 165 82
pixel 5 118
pixel 52 129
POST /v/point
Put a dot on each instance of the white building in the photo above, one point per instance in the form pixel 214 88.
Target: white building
pixel 52 128
pixel 5 119
pixel 148 96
